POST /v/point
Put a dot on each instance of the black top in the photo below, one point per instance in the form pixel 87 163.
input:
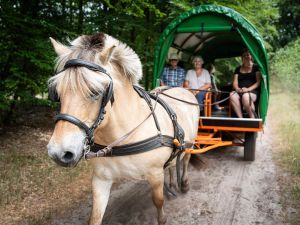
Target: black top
pixel 247 79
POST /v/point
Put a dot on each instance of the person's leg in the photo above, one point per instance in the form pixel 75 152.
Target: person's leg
pixel 216 98
pixel 200 98
pixel 248 100
pixel 235 102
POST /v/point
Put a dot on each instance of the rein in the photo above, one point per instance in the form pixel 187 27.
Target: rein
pixel 197 104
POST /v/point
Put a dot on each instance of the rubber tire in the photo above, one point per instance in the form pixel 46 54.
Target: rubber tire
pixel 250 146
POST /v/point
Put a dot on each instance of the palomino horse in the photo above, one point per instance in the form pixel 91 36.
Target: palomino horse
pixel 102 76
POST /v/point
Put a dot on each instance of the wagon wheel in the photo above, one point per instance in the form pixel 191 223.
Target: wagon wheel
pixel 250 146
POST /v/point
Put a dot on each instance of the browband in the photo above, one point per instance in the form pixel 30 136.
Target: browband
pixel 83 63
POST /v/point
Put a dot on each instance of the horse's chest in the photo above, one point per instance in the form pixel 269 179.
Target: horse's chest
pixel 117 171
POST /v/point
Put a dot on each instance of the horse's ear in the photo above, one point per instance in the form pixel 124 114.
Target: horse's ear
pixel 59 48
pixel 107 54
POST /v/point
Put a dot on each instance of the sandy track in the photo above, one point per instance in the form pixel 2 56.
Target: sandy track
pixel 229 191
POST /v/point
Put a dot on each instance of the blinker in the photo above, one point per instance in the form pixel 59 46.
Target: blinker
pixel 107 96
pixel 52 94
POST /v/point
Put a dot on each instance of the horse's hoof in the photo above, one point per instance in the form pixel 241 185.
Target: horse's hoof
pixel 173 187
pixel 162 221
pixel 185 187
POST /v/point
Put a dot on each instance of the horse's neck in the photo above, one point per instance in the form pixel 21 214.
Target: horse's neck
pixel 128 110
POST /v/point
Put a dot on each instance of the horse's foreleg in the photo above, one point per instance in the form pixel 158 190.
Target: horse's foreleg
pixel 101 190
pixel 157 185
pixel 185 186
pixel 172 183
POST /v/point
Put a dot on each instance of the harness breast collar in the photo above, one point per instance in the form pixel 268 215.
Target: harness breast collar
pixel 92 150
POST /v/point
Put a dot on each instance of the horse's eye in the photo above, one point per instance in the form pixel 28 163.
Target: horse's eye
pixel 52 94
pixel 95 95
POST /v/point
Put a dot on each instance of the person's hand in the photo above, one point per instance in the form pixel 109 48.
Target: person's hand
pixel 239 90
pixel 195 92
pixel 244 89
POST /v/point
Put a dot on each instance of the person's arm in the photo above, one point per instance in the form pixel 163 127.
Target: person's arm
pixel 235 84
pixel 256 84
pixel 162 78
pixel 186 83
pixel 183 77
pixel 207 84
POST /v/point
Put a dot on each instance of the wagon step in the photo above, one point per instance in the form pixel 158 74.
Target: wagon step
pixel 231 124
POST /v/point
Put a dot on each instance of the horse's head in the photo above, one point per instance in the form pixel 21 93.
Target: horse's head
pixel 89 72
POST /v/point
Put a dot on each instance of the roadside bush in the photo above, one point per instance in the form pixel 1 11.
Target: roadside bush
pixel 286 66
pixel 285 70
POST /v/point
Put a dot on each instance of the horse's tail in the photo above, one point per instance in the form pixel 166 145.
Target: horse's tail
pixel 197 161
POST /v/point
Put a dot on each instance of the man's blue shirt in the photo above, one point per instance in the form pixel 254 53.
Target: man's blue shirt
pixel 173 77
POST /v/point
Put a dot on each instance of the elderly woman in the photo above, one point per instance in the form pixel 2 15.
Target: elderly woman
pixel 245 83
pixel 199 80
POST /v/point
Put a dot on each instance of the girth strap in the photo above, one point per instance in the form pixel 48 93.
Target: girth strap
pixel 133 148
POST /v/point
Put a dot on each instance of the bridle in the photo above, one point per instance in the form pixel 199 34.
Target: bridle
pixel 107 96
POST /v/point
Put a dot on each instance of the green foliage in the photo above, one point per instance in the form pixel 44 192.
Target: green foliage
pixel 293 144
pixel 263 14
pixel 285 115
pixel 286 66
pixel 27 57
pixel 225 69
pixel 289 21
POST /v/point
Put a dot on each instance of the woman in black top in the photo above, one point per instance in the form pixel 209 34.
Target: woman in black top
pixel 245 82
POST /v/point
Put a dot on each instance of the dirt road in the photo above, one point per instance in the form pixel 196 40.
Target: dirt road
pixel 229 191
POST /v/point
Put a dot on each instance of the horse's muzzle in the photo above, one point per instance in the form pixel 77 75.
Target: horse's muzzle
pixel 64 158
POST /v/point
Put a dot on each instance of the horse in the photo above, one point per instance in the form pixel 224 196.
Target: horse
pixel 96 84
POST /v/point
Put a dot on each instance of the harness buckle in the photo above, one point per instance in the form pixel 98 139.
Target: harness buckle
pixel 173 117
pixel 86 148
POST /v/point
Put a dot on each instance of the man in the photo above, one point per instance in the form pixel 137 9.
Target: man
pixel 172 75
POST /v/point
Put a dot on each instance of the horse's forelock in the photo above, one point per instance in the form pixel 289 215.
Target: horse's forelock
pixel 90 48
pixel 80 81
pixel 93 42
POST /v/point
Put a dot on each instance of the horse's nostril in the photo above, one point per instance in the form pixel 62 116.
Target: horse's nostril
pixel 68 155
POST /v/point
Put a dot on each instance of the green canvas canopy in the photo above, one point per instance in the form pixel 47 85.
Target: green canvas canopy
pixel 213 32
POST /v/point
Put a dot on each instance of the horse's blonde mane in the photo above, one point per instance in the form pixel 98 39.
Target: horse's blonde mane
pixel 116 57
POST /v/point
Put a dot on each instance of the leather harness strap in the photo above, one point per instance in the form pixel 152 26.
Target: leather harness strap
pixel 134 148
pixel 143 94
pixel 149 143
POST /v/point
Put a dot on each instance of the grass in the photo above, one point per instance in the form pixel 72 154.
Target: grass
pixel 32 187
pixel 286 111
pixel 285 115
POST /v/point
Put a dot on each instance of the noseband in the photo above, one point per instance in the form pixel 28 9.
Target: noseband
pixel 107 96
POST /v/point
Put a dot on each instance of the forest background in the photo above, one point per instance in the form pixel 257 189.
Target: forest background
pixel 27 62
pixel 27 58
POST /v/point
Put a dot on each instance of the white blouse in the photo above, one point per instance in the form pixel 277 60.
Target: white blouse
pixel 197 82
